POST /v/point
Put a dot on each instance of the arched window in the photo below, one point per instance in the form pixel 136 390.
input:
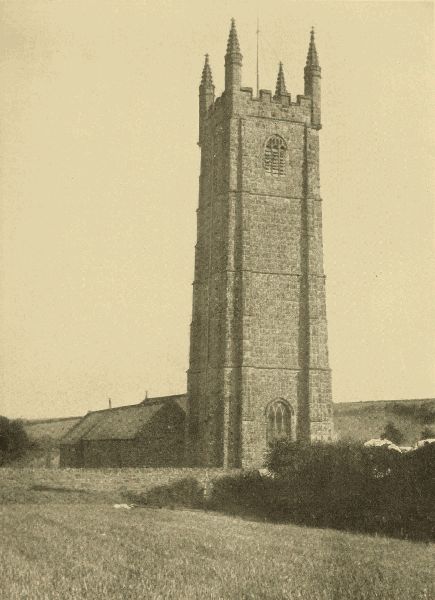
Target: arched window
pixel 274 156
pixel 278 421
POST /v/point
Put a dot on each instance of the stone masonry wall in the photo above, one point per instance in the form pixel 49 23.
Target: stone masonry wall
pixel 258 330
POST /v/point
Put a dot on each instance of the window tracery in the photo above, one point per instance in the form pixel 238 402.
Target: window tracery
pixel 274 156
pixel 278 421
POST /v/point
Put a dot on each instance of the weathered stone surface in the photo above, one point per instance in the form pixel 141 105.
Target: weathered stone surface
pixel 259 329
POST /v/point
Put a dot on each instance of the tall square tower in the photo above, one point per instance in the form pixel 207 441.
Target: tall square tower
pixel 259 365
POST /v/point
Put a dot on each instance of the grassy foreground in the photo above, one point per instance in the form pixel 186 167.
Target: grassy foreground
pixel 65 548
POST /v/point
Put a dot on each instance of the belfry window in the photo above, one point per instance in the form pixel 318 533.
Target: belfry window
pixel 274 156
pixel 278 422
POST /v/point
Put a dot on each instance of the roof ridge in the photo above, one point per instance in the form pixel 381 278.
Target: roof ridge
pixel 52 420
pixel 160 398
pixel 146 402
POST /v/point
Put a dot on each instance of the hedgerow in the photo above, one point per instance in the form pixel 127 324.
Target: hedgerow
pixel 345 486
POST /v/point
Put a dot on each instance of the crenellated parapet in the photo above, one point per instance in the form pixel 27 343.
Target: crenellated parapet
pixel 265 105
pixel 274 107
pixel 241 101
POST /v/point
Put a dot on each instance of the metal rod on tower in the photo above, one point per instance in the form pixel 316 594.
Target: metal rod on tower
pixel 258 70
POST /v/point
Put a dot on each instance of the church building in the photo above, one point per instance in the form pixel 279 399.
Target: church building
pixel 258 368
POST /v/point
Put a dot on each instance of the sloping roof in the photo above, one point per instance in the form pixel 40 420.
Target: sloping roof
pixel 83 426
pixel 121 423
pixel 49 428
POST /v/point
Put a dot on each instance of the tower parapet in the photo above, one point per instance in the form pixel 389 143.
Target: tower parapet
pixel 306 108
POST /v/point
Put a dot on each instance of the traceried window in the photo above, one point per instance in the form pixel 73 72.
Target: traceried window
pixel 274 156
pixel 278 421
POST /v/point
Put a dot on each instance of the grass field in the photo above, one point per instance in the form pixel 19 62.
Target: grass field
pixel 63 539
pixel 360 421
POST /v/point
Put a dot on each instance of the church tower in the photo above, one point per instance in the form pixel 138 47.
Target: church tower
pixel 259 365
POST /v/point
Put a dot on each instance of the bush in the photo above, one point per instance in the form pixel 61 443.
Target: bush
pixel 247 491
pixel 392 433
pixel 187 492
pixel 13 440
pixel 346 486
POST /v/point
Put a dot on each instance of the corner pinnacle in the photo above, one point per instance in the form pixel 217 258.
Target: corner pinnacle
pixel 312 58
pixel 280 89
pixel 233 42
pixel 206 79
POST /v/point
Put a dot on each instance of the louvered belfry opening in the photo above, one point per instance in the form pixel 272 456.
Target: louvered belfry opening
pixel 274 156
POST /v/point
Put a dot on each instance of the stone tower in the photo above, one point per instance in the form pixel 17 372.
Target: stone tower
pixel 259 365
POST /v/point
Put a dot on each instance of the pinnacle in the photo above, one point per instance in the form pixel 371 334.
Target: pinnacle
pixel 233 42
pixel 280 82
pixel 206 79
pixel 312 58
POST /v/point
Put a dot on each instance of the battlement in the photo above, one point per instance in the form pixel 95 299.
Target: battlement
pixel 238 101
pixel 283 99
pixel 265 105
pixel 272 106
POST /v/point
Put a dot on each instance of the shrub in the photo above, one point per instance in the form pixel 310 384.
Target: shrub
pixel 346 486
pixel 187 492
pixel 392 433
pixel 13 440
pixel 247 491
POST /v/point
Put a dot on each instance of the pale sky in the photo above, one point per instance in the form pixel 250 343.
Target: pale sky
pixel 99 187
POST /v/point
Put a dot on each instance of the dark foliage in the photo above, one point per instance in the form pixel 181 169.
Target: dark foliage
pixel 345 486
pixel 427 433
pixel 422 413
pixel 13 440
pixel 186 492
pixel 392 433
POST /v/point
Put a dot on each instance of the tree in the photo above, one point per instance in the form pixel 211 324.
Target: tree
pixel 13 440
pixel 392 433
